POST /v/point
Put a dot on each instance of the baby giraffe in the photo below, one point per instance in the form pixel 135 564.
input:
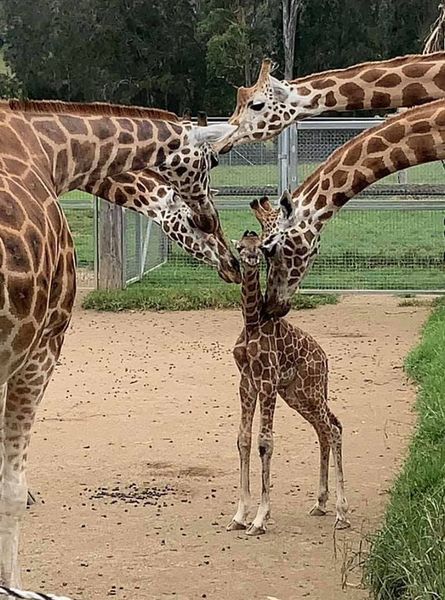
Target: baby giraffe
pixel 274 357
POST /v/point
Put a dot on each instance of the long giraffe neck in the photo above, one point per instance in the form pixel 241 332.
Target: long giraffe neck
pixel 83 150
pixel 414 137
pixel 252 298
pixel 404 81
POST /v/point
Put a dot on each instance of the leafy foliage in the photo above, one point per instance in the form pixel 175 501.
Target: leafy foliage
pixel 179 54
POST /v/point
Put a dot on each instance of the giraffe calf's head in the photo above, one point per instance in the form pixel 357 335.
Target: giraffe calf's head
pixel 249 249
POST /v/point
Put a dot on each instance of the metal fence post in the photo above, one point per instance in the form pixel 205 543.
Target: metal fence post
pixel 292 176
pixel 283 159
pixel 111 247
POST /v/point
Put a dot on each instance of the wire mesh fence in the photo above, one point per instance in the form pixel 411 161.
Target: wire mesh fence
pixel 80 211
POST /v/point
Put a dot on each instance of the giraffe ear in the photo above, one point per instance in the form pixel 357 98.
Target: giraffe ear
pixel 211 134
pixel 280 90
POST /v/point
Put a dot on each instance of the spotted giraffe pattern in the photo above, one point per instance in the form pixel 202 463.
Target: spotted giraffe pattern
pixel 411 138
pixel 269 106
pixel 147 193
pixel 274 357
pixel 47 149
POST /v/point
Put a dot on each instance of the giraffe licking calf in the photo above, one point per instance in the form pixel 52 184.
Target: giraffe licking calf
pixel 274 357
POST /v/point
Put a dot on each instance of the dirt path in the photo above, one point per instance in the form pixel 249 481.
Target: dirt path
pixel 149 402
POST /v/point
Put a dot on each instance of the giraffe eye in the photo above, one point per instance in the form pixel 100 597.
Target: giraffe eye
pixel 257 105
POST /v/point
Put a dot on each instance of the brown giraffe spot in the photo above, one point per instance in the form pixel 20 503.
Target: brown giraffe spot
pixel 421 127
pixel 6 326
pixel 339 198
pixel 125 124
pixel 330 99
pixel 40 306
pixel 326 215
pixel 380 100
pixel 302 90
pixel 424 148
pixel 390 80
pixel 120 198
pixel 331 165
pixel 321 84
pixel 394 133
pixel 61 165
pixel 174 145
pixel 14 165
pixel 315 101
pixel 354 94
pixel 34 242
pixel 399 158
pixel 122 156
pixel 143 157
pixel 414 93
pixel 73 124
pixel 51 130
pixel 11 213
pixel 339 178
pixel 352 155
pixel 309 236
pixel 17 259
pixel 416 70
pixel 439 79
pixel 103 128
pixel 325 184
pixel 376 144
pixel 377 166
pixel 274 118
pixel 24 338
pixel 21 294
pixel 320 202
pixel 144 131
pixel 372 75
pixel 125 138
pixel 359 182
pixel 83 155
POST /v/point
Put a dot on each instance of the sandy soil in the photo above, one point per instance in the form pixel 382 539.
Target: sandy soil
pixel 134 458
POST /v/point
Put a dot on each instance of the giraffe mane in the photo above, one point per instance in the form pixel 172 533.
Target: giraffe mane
pixel 89 108
pixel 397 61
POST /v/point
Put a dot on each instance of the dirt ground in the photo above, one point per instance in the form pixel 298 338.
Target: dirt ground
pixel 134 458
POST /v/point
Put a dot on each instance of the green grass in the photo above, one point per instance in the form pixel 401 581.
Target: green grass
pixel 143 296
pixel 407 560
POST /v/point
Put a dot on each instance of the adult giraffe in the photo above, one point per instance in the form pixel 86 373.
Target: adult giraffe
pixel 269 106
pixel 47 149
pixel 292 233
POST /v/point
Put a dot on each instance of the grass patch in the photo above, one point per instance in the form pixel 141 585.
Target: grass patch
pixel 407 559
pixel 141 296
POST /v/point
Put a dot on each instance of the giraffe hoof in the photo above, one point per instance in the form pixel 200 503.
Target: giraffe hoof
pixel 235 526
pixel 253 530
pixel 317 511
pixel 342 524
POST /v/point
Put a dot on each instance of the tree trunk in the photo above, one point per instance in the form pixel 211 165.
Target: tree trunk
pixel 290 14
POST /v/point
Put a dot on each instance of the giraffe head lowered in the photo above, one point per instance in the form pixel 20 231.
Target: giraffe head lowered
pixel 181 151
pixel 270 105
pixel 147 193
pixel 413 137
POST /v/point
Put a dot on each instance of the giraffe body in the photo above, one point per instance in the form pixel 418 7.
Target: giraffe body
pixel 269 106
pixel 47 149
pixel 275 358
